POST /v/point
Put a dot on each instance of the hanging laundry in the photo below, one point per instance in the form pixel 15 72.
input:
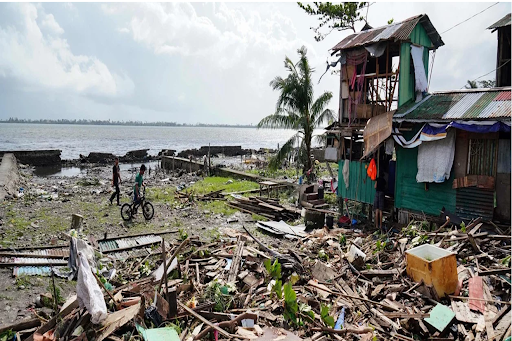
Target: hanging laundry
pixel 435 159
pixel 389 146
pixel 421 83
pixel 372 170
pixel 346 170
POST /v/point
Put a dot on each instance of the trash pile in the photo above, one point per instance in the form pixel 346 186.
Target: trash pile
pixel 343 284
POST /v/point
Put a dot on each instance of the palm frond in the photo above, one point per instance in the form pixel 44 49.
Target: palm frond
pixel 327 116
pixel 286 149
pixel 319 106
pixel 279 121
pixel 320 139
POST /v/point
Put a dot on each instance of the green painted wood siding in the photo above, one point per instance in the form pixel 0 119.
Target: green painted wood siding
pixel 412 195
pixel 406 82
pixel 361 188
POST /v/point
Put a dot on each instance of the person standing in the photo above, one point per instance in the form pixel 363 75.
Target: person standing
pixel 378 202
pixel 116 181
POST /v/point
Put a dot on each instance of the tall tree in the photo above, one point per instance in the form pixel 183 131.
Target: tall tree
pixel 342 16
pixel 297 109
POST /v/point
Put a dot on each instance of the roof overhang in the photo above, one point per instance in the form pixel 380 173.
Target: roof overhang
pixel 377 130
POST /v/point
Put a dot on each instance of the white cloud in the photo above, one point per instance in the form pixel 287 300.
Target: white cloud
pixel 226 36
pixel 50 23
pixel 123 30
pixel 46 61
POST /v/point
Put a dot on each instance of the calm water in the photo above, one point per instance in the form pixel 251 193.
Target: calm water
pixel 74 140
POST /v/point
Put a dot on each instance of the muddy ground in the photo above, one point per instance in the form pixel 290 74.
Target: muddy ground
pixel 45 209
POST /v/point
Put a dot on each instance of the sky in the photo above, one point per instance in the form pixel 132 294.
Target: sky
pixel 197 62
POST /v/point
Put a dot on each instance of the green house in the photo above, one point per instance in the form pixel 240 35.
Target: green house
pixel 377 76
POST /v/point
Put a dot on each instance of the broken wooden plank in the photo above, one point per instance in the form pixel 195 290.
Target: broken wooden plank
pixel 476 290
pixel 237 259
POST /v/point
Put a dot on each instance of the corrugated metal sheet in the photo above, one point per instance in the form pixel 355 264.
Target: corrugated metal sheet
pixel 108 245
pixel 32 260
pixel 505 21
pixel 412 195
pixel 361 187
pixel 459 105
pixel 35 270
pixel 396 32
pixel 473 202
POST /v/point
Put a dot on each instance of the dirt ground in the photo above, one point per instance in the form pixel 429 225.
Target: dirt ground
pixel 45 210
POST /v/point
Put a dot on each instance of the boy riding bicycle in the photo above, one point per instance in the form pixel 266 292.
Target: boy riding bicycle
pixel 139 182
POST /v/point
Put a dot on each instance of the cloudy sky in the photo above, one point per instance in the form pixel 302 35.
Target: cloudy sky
pixel 195 62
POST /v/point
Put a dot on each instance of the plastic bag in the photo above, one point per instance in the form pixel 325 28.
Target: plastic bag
pixel 89 293
pixel 372 170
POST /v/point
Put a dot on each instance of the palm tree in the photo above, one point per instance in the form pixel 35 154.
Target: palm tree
pixel 296 109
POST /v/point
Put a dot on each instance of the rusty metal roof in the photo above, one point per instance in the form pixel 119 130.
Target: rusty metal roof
pixel 470 104
pixel 505 21
pixel 395 32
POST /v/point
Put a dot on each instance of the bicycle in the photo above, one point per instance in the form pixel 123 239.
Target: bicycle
pixel 129 210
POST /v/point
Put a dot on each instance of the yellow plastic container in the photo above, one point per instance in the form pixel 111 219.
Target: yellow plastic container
pixel 435 266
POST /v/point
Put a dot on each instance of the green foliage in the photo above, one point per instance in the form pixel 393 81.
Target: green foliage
pixel 342 16
pixel 307 312
pixel 274 270
pixel 506 261
pixel 490 83
pixel 257 217
pixel 297 109
pixel 22 281
pixel 342 239
pixel 215 183
pixel 390 21
pixel 277 288
pixel 8 335
pixel 58 296
pixel 214 234
pixel 294 278
pixel 220 295
pixel 379 246
pixel 324 314
pixel 463 227
pixel 291 308
pixel 182 234
pixel 322 255
pixel 145 269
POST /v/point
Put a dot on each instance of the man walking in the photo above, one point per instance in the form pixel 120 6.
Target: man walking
pixel 116 181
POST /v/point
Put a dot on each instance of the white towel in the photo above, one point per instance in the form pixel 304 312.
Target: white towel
pixel 435 159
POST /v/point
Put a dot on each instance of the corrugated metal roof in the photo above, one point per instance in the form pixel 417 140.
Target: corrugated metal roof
pixel 396 32
pixel 505 21
pixel 471 104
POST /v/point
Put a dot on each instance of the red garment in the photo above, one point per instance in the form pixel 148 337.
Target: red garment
pixel 372 170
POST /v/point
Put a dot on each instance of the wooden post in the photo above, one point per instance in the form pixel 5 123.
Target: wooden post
pixel 387 72
pixel 76 222
pixel 209 161
pixel 165 274
pixel 173 163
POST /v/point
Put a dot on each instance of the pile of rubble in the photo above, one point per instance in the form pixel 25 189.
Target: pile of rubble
pixel 344 284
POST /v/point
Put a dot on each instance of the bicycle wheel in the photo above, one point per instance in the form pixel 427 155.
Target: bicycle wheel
pixel 147 210
pixel 126 212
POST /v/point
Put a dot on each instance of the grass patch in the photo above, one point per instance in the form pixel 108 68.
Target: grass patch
pixel 214 234
pixel 216 183
pixel 23 281
pixel 161 194
pixel 217 207
pixel 257 217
